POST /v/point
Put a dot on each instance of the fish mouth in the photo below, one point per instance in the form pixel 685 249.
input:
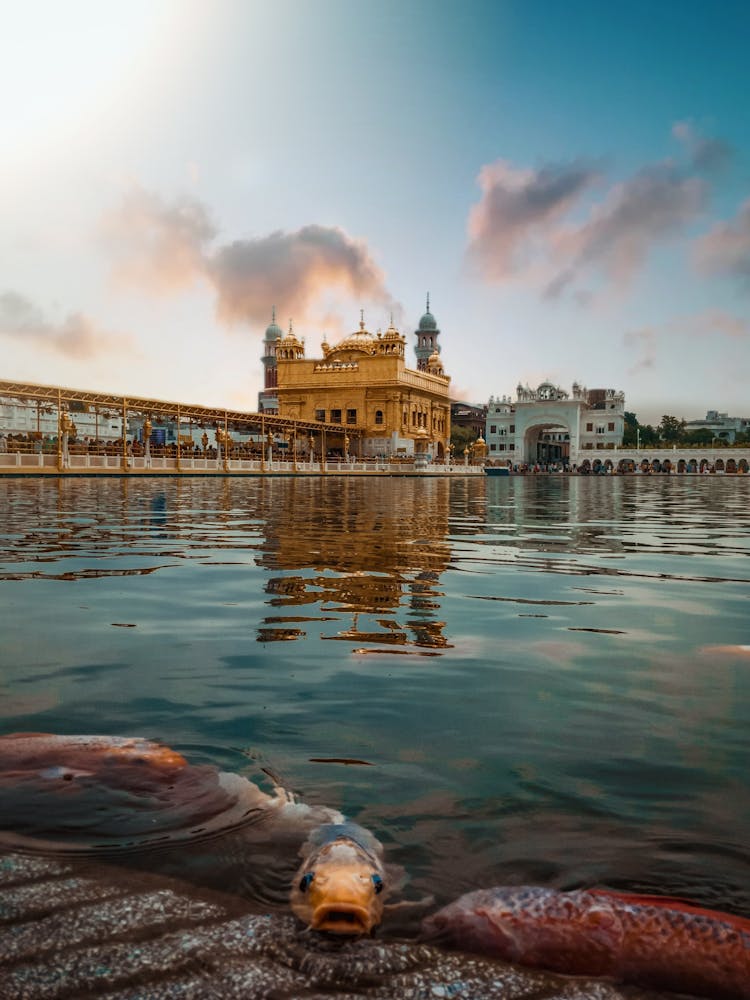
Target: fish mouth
pixel 342 918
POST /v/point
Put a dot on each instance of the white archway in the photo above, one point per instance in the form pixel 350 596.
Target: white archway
pixel 544 439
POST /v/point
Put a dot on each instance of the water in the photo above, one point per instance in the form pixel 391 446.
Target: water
pixel 507 680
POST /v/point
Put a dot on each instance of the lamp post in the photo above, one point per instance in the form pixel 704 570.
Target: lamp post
pixel 219 439
pixel 147 429
pixel 66 422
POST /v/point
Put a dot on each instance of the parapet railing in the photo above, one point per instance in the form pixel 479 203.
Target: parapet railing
pixel 47 463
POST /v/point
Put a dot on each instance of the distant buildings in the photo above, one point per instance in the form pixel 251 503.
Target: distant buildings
pixel 720 425
pixel 470 416
pixel 363 381
pixel 547 424
pixel 31 416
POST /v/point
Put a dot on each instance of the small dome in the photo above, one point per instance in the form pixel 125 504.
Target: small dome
pixel 273 331
pixel 392 333
pixel 428 321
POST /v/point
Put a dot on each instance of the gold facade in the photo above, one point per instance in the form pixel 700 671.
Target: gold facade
pixel 364 385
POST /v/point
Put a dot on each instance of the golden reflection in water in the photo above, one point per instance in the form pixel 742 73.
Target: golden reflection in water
pixel 379 556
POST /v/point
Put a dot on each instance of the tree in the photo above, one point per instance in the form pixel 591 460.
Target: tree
pixel 671 429
pixel 702 436
pixel 649 435
pixel 630 430
pixel 461 437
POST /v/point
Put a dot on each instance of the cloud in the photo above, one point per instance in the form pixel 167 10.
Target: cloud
pixel 714 321
pixel 517 211
pixel 523 226
pixel 160 247
pixel 650 207
pixel 157 246
pixel 710 323
pixel 709 154
pixel 76 336
pixel 293 269
pixel 725 249
pixel 642 343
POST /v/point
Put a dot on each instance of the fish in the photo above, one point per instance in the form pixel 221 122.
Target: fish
pixel 342 883
pixel 648 941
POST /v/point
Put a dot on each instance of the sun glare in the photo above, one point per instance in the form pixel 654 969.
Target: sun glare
pixel 59 62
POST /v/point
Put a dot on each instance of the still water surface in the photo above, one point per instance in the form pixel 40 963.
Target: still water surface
pixel 509 681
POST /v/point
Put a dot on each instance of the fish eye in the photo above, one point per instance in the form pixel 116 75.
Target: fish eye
pixel 378 883
pixel 304 882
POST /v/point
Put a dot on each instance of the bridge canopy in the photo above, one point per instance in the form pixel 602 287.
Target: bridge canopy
pixel 208 416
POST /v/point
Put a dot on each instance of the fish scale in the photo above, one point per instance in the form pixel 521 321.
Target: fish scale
pixel 133 936
pixel 649 940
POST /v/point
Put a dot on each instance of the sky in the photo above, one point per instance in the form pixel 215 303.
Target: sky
pixel 569 181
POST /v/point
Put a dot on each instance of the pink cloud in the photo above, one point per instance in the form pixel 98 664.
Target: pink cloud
pixel 156 245
pixel 649 208
pixel 706 153
pixel 517 212
pixel 161 247
pixel 725 249
pixel 76 336
pixel 713 321
pixel 293 269
pixel 524 226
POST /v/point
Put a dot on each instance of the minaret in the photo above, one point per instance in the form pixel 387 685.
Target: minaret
pixel 267 398
pixel 427 338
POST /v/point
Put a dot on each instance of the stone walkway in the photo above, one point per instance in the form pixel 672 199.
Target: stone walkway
pixel 76 933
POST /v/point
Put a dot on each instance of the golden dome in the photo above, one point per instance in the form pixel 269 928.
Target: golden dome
pixel 434 364
pixel 392 333
pixel 361 341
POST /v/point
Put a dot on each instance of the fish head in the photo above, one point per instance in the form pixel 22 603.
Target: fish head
pixel 572 932
pixel 483 921
pixel 340 888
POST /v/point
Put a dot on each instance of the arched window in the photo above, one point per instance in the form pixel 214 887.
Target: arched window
pixel 378 416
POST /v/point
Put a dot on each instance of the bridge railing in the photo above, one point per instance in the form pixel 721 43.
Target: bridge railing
pixel 49 462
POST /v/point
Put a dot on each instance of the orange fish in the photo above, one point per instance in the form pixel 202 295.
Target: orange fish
pixel 650 941
pixel 340 886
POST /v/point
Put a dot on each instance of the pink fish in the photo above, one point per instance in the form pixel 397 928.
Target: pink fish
pixel 651 941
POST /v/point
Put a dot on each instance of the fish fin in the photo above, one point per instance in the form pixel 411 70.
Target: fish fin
pixel 417 906
pixel 397 876
pixel 674 903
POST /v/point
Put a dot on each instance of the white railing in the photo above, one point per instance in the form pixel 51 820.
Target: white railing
pixel 83 464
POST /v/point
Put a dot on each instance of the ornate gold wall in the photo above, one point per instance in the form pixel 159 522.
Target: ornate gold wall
pixel 375 392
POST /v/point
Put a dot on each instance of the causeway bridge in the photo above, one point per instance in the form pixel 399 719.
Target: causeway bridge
pixel 51 430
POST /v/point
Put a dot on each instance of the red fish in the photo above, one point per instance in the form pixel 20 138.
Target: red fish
pixel 650 941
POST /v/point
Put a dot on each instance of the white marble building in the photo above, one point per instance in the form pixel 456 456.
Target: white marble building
pixel 548 424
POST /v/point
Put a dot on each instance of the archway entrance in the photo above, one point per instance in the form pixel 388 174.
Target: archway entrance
pixel 546 444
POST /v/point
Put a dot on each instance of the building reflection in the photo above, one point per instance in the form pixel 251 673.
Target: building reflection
pixel 361 554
